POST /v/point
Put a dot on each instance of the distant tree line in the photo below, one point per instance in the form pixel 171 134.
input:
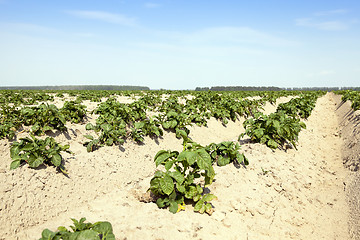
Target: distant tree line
pixel 238 88
pixel 327 89
pixel 78 87
pixel 243 88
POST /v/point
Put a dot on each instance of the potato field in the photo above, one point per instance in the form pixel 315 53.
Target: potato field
pixel 179 164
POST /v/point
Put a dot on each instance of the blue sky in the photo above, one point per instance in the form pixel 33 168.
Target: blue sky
pixel 180 44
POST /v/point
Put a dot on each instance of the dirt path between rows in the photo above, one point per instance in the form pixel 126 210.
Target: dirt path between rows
pixel 292 194
pixel 349 122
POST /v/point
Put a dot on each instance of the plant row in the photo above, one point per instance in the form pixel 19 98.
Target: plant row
pixel 283 126
pixel 118 121
pixel 352 96
pixel 41 118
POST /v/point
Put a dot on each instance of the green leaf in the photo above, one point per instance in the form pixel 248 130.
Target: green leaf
pixel 181 133
pixel 302 125
pixel 276 125
pixel 28 147
pixel 173 207
pixel 180 188
pixel 162 202
pixel 167 184
pixel 35 128
pixel 87 235
pixel 89 137
pixel 272 144
pixel 161 157
pixel 242 159
pixel 139 124
pixel 196 197
pixel 14 151
pixel 15 164
pixel 171 114
pixel 166 125
pixel 173 123
pixel 155 186
pixel 106 127
pixel 177 176
pixel 89 126
pixel 109 142
pixel 47 128
pixel 203 159
pixel 259 132
pixel 89 146
pixel 47 235
pixel 191 192
pixel 189 156
pixel 35 162
pixel 199 205
pixel 209 177
pixel 169 164
pixel 105 229
pixel 56 159
pixel 209 197
pixel 222 161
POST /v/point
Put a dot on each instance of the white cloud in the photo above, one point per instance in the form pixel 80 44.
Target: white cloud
pixel 233 35
pixel 220 43
pixel 104 16
pixel 322 25
pixel 322 20
pixel 28 27
pixel 152 5
pixel 332 12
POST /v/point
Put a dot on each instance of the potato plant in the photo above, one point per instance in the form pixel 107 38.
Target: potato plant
pixel 35 152
pixel 189 172
pixel 148 127
pixel 177 183
pixel 353 96
pixel 73 111
pixel 43 118
pixel 9 121
pixel 226 152
pixel 81 230
pixel 274 130
pixel 299 107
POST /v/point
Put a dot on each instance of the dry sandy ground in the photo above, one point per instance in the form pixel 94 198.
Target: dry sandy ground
pixel 293 194
pixel 350 131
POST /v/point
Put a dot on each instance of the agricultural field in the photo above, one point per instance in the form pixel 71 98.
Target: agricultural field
pixel 179 165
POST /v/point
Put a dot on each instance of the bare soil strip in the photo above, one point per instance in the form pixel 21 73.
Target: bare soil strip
pixel 282 194
pixel 349 121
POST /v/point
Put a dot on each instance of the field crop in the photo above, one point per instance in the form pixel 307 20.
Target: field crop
pixel 181 177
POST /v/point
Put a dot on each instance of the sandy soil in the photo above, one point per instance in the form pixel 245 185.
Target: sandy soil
pixel 292 194
pixel 350 131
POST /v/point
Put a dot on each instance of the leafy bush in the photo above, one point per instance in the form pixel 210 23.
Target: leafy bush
pixel 81 231
pixel 73 111
pixel 353 96
pixel 148 127
pixel 43 118
pixel 108 135
pixel 35 152
pixel 299 107
pixel 9 121
pixel 273 130
pixel 226 152
pixel 187 173
pixel 174 186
